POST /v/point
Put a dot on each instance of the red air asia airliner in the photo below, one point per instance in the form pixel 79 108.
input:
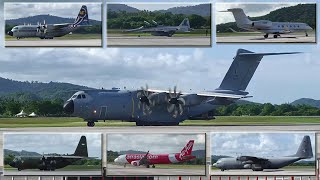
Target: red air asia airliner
pixel 152 159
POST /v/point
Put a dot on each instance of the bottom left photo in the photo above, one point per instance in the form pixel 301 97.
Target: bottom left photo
pixel 52 154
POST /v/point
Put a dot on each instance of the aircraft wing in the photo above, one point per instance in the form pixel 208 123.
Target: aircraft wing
pixel 207 94
pixel 251 159
pixel 144 160
pixel 63 157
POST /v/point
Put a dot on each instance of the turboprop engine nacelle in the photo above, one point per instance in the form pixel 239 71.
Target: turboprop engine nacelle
pixel 261 24
pixel 135 163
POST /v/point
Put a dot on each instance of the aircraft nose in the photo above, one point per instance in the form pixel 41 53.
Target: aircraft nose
pixel 68 107
pixel 10 33
pixel 12 164
pixel 116 160
pixel 214 165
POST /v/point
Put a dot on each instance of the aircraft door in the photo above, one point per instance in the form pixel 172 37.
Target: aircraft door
pixel 103 112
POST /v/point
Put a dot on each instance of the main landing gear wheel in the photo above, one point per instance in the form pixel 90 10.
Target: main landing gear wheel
pixel 153 166
pixel 275 36
pixel 90 124
pixel 307 35
pixel 266 35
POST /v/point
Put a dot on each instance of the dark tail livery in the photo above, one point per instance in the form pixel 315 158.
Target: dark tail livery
pixel 82 149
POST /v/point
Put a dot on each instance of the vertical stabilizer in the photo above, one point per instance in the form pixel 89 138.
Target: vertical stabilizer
pixel 83 17
pixel 187 150
pixel 305 149
pixel 241 18
pixel 82 149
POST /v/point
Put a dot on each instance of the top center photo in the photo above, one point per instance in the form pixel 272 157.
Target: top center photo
pixel 158 24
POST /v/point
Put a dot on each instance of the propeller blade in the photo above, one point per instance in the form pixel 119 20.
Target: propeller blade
pixel 171 108
pixel 180 109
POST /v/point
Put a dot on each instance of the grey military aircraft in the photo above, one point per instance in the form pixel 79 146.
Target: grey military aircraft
pixel 160 30
pixel 266 26
pixel 49 31
pixel 51 162
pixel 160 107
pixel 259 164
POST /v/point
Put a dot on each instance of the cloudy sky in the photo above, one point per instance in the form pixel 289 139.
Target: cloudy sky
pixel 53 143
pixel 258 144
pixel 66 10
pixel 155 143
pixel 158 6
pixel 250 9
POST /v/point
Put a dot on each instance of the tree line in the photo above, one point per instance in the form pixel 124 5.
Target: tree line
pixel 266 109
pixel 45 107
pixel 127 20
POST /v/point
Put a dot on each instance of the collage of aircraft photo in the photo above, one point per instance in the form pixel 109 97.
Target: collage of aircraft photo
pixel 159 90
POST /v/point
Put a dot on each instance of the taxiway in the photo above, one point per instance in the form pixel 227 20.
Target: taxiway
pixel 125 41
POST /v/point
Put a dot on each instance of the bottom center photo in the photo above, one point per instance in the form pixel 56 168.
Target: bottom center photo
pixel 156 154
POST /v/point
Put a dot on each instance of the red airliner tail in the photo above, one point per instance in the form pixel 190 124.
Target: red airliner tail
pixel 187 150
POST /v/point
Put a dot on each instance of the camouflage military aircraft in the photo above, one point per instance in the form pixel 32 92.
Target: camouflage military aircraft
pixel 51 162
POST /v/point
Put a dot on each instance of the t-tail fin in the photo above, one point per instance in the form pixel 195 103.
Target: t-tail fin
pixel 187 150
pixel 83 17
pixel 82 149
pixel 241 18
pixel 242 69
pixel 305 149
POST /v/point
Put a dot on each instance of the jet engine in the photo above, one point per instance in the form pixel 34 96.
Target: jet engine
pixel 261 24
pixel 247 162
pixel 257 167
pixel 247 166
pixel 135 163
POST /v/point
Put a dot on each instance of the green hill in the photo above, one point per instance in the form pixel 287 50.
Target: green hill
pixel 300 13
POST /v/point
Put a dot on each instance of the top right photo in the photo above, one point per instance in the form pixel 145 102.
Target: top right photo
pixel 266 23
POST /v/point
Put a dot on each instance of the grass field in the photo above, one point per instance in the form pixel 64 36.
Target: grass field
pixel 67 168
pixel 68 36
pixel 220 120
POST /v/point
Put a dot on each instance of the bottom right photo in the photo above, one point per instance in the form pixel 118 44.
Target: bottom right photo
pixel 263 153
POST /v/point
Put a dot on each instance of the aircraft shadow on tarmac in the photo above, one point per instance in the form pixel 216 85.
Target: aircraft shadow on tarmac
pixel 292 37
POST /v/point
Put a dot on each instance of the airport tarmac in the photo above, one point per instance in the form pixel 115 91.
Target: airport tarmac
pixel 54 43
pixel 115 170
pixel 171 129
pixel 51 173
pixel 267 172
pixel 115 41
pixel 258 38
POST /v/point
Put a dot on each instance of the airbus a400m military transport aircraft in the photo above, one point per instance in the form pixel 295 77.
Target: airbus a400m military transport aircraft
pixel 267 27
pixel 259 164
pixel 51 162
pixel 160 30
pixel 49 31
pixel 152 159
pixel 160 107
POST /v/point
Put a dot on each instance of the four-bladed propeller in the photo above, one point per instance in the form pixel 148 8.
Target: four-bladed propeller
pixel 175 103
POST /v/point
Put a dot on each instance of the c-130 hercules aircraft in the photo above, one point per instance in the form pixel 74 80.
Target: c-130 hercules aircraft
pixel 259 164
pixel 51 162
pixel 160 107
pixel 49 31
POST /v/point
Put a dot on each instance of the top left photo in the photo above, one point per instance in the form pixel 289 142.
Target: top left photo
pixel 53 24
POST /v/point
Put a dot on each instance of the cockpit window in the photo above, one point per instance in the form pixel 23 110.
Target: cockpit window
pixel 83 96
pixel 74 96
pixel 79 96
pixel 15 28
